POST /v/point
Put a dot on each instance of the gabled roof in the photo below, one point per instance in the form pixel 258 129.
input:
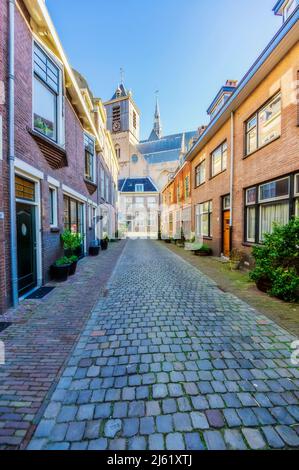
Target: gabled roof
pixel 277 7
pixel 222 91
pixel 128 185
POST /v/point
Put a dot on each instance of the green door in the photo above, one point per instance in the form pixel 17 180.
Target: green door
pixel 26 244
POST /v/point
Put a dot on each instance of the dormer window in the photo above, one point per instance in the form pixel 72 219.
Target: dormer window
pixel 47 95
pixel 285 8
pixel 139 188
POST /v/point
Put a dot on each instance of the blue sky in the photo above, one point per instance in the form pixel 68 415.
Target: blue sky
pixel 184 48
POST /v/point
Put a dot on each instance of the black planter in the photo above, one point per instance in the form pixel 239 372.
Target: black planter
pixel 104 244
pixel 202 253
pixel 167 241
pixel 73 268
pixel 264 284
pixel 60 273
pixel 94 250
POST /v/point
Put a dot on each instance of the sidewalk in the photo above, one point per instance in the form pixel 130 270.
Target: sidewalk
pixel 238 283
pixel 39 342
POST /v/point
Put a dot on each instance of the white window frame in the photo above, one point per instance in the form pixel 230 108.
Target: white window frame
pixel 53 190
pixel 250 207
pixel 60 112
pixel 91 137
pixel 199 213
pixel 137 186
pixel 199 171
pixel 296 193
pixel 223 168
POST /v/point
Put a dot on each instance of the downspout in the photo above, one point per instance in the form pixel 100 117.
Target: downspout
pixel 11 154
pixel 232 165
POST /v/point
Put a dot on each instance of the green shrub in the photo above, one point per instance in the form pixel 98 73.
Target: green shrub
pixel 277 261
pixel 71 241
pixel 63 261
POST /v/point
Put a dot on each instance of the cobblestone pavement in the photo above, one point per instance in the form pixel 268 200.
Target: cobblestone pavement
pixel 168 361
pixel 39 342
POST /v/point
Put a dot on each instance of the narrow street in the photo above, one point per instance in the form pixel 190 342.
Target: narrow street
pixel 169 361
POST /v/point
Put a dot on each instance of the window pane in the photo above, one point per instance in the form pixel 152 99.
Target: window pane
pixel 251 224
pixel 270 121
pixel 216 162
pixel 297 208
pixel 275 189
pixel 251 196
pixel 44 110
pixel 51 197
pixel 224 157
pixel 278 213
pixel 252 140
pixel 297 184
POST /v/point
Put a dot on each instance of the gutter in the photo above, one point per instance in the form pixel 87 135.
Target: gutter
pixel 232 166
pixel 11 154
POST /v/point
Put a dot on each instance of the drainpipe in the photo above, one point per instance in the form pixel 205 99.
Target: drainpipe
pixel 11 154
pixel 231 183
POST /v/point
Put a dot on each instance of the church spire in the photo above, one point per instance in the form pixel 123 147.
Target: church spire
pixel 157 120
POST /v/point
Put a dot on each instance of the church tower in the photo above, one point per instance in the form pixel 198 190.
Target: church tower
pixel 123 121
pixel 156 133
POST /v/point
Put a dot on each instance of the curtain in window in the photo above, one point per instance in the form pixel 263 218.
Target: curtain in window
pixel 278 213
pixel 251 224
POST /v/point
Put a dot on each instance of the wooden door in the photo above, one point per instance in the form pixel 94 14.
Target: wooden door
pixel 226 233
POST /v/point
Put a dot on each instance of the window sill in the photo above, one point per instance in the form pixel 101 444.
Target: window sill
pixel 201 184
pixel 261 148
pixel 54 229
pixel 55 155
pixel 221 172
pixel 91 186
pixel 207 238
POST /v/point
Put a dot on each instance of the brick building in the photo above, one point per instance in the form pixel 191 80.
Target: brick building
pixel 244 166
pixel 65 168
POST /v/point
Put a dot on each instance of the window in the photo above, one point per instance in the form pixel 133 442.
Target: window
pixel 134 120
pixel 203 216
pixel 219 159
pixel 139 203
pixel 266 204
pixel 134 159
pixel 89 147
pixel 46 92
pixel 151 202
pixel 226 203
pixel 187 187
pixel 53 206
pixel 264 126
pixel 73 215
pixel 102 181
pixel 107 195
pixel 116 123
pixel 139 188
pixel 275 190
pixel 24 189
pixel 200 174
pixel 117 151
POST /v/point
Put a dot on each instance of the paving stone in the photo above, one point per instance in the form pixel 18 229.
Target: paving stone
pixel 164 424
pixel 272 437
pixel 98 444
pixel 234 440
pixel 85 412
pixel 75 431
pixel 193 441
pixel 288 435
pixel 169 406
pixel 92 430
pixel 199 420
pixel 282 416
pixel 120 410
pixel 103 410
pixel 156 442
pixel 175 441
pixel 153 408
pixel 215 418
pixel 247 417
pixel 214 440
pixel 175 390
pixel 136 409
pixel 112 427
pixel 130 427
pixel 160 391
pixel 67 414
pixel 147 425
pixel 182 422
pixel 117 444
pixel 137 443
pixel 199 403
pixel 254 438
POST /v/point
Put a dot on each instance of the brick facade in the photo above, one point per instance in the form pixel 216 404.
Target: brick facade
pixel 70 178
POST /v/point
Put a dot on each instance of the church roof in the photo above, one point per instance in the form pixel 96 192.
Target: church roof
pixel 166 149
pixel 120 92
pixel 127 185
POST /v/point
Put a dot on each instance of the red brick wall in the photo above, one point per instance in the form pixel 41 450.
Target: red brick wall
pixel 27 150
pixel 4 224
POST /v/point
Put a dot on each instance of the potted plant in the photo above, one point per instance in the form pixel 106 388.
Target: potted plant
pixel 94 248
pixel 182 240
pixel 73 267
pixel 60 269
pixel 204 250
pixel 72 243
pixel 104 241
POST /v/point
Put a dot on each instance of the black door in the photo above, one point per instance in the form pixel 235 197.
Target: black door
pixel 26 248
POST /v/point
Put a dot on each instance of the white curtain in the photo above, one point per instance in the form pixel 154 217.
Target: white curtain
pixel 278 213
